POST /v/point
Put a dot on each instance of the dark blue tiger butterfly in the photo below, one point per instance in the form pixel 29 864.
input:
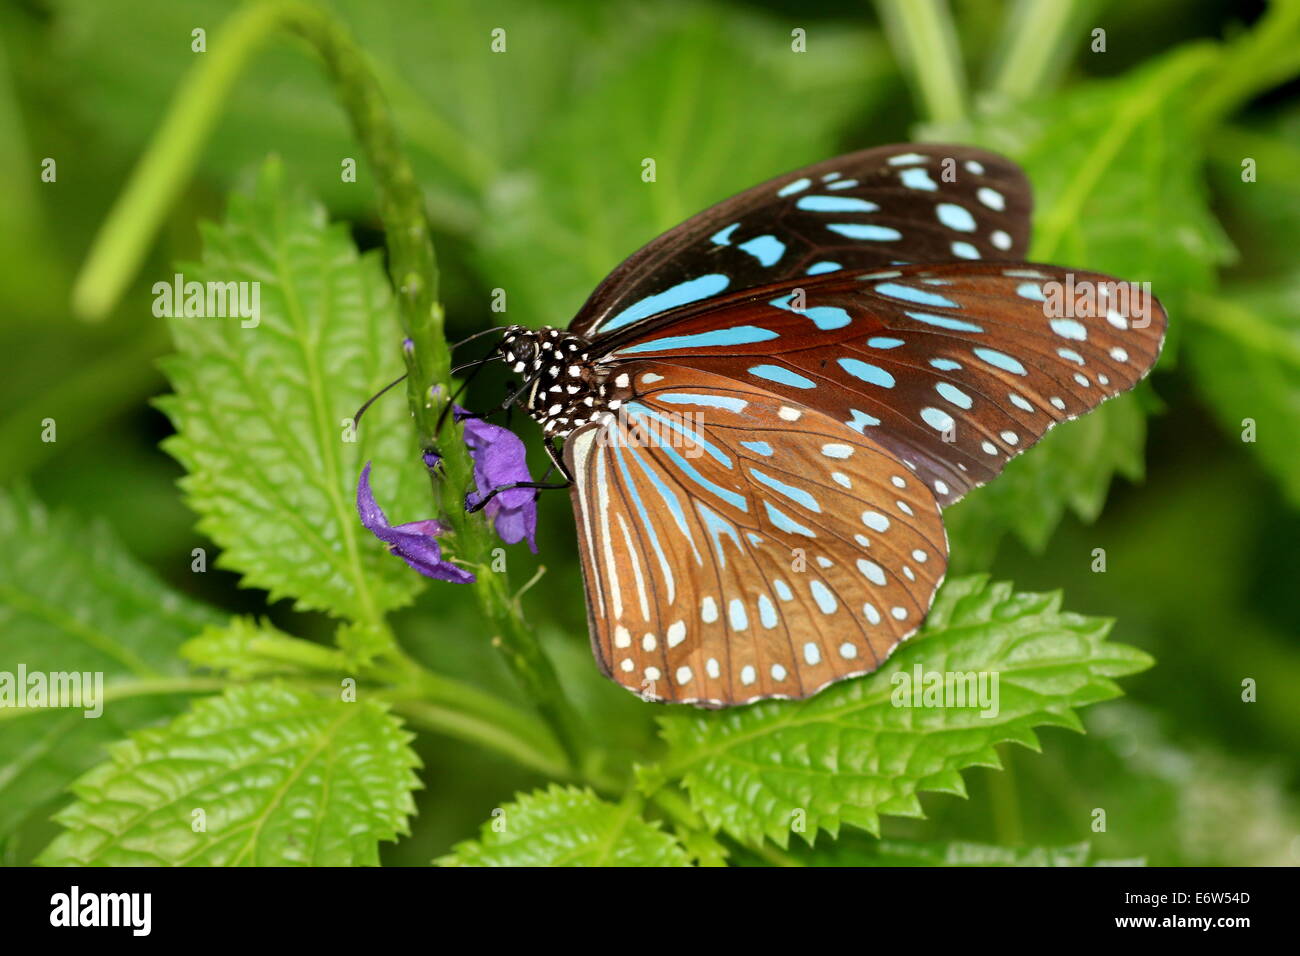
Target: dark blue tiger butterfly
pixel 763 411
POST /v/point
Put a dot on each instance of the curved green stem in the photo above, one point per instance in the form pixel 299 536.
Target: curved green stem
pixel 1034 46
pixel 1260 59
pixel 1236 322
pixel 413 268
pixel 925 43
pixel 123 241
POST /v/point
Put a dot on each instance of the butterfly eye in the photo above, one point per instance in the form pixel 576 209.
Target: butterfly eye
pixel 521 354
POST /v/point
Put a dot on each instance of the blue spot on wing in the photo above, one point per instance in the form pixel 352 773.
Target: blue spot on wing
pixel 1001 360
pixel 797 495
pixel 762 447
pixel 785 523
pixel 692 290
pixel 718 526
pixel 955 217
pixel 1070 329
pixel 862 230
pixel 723 236
pixel 782 376
pixel 738 335
pixel 861 420
pixel 943 322
pixel 836 204
pixel 706 401
pixel 736 615
pixel 827 317
pixel 822 595
pixel 937 419
pixel 953 394
pixel 871 374
pixel 768 250
pixel 917 178
pixel 789 189
pixel 896 290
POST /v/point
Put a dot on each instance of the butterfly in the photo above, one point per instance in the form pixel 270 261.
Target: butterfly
pixel 763 412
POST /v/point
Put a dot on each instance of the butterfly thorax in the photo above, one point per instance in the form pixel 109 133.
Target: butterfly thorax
pixel 566 390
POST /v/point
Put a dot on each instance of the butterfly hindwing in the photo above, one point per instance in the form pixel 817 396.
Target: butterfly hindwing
pixel 737 545
pixel 878 207
pixel 954 368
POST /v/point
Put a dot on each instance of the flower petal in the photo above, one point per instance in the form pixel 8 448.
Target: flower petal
pixel 414 542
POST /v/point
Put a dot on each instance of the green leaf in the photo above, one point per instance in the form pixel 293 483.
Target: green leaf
pixel 718 102
pixel 1071 468
pixel 567 826
pixel 850 754
pixel 282 778
pixel 247 648
pixel 1245 355
pixel 261 412
pixel 1117 188
pixel 72 600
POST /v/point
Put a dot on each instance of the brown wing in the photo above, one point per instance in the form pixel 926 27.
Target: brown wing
pixel 737 545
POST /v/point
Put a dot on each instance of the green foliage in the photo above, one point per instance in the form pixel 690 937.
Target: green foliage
pixel 531 164
pixel 851 753
pixel 246 648
pixel 281 777
pixel 72 600
pixel 568 826
pixel 1245 352
pixel 263 413
pixel 1127 200
pixel 556 227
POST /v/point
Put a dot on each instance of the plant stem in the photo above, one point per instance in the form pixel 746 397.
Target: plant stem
pixel 121 244
pixel 925 43
pixel 163 170
pixel 1237 322
pixel 413 267
pixel 1263 58
pixel 1034 46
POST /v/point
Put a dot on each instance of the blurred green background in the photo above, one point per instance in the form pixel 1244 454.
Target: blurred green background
pixel 530 161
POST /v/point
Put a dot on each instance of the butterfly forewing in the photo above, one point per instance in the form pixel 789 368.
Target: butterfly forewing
pixel 738 546
pixel 878 207
pixel 953 368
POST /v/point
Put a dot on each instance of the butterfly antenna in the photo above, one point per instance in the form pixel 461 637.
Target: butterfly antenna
pixel 474 367
pixel 476 335
pixel 356 419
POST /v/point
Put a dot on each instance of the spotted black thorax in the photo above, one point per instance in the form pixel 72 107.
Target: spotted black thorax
pixel 567 389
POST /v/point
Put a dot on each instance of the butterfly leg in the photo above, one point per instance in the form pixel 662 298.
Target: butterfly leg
pixel 539 485
pixel 557 458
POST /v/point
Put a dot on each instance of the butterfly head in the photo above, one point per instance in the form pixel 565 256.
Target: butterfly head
pixel 565 392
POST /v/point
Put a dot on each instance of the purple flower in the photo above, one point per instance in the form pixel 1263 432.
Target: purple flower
pixel 415 543
pixel 499 460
